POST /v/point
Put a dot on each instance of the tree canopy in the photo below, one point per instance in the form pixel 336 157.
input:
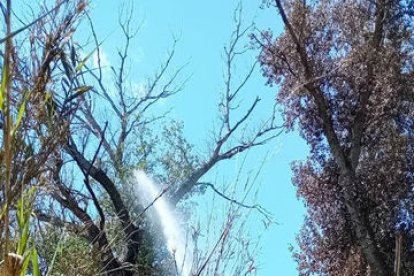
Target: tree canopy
pixel 345 75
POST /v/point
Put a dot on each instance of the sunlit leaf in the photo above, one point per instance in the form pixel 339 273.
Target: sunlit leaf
pixel 3 211
pixel 84 60
pixel 35 262
pixel 23 239
pixel 3 87
pixel 22 108
pixel 83 89
pixel 25 265
pixel 20 212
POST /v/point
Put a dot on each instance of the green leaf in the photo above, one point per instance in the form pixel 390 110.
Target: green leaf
pixel 24 206
pixel 22 108
pixel 84 60
pixel 50 106
pixel 23 239
pixel 58 250
pixel 3 211
pixel 25 265
pixel 82 63
pixel 3 87
pixel 35 262
pixel 20 212
pixel 30 195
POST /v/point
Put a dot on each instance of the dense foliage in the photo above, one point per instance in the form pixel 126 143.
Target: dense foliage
pixel 345 73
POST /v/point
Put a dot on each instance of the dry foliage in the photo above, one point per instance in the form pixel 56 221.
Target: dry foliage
pixel 345 72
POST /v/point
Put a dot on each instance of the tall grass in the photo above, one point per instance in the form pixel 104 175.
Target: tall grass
pixel 17 248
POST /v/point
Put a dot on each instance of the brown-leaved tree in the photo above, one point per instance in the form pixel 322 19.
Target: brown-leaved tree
pixel 344 70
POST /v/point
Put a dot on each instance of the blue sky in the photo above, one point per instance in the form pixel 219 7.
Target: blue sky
pixel 203 28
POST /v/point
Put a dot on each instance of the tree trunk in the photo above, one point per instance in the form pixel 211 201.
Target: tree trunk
pixel 363 233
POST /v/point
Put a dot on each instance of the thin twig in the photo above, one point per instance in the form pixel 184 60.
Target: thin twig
pixel 12 34
pixel 257 207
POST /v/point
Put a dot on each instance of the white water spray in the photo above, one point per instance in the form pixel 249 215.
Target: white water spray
pixel 149 193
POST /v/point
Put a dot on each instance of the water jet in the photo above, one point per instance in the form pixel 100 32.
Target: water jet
pixel 149 193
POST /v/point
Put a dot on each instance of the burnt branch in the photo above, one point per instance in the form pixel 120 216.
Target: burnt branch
pixel 230 124
pixel 96 237
pixel 130 229
pixel 89 187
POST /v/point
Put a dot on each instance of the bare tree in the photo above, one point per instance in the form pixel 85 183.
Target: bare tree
pixel 68 98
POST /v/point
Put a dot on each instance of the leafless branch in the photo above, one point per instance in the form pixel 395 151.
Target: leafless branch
pixel 88 186
pixel 222 237
pixel 229 127
pixel 257 207
pixel 16 32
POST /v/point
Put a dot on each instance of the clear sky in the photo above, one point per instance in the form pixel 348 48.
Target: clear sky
pixel 204 27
